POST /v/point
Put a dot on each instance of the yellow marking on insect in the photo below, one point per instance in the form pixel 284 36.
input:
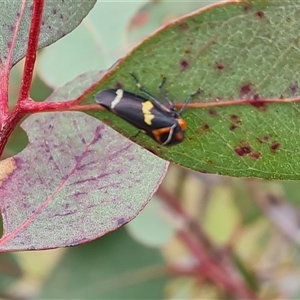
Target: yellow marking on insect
pixel 148 116
pixel 118 98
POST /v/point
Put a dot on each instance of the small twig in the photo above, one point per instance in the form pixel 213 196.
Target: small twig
pixel 209 264
pixel 4 73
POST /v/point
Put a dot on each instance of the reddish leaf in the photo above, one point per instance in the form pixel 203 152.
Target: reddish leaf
pixel 76 180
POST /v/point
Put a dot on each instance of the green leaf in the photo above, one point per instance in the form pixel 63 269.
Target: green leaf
pixel 232 51
pixel 150 227
pixel 114 267
pixel 10 270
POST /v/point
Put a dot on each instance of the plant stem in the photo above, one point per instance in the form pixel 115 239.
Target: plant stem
pixel 32 46
pixel 208 265
pixel 3 97
pixel 8 126
pixel 8 121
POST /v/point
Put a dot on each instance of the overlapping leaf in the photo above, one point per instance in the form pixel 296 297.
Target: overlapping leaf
pixel 233 50
pixel 76 180
pixel 59 18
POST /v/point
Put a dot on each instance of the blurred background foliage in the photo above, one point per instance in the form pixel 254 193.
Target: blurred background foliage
pixel 254 224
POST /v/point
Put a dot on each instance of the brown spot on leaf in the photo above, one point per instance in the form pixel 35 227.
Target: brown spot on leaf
pixel 219 66
pixel 7 167
pixel 210 162
pixel 246 89
pixel 263 139
pixel 187 51
pixel 236 122
pixel 183 26
pixel 212 112
pixel 119 85
pixel 184 64
pixel 256 96
pixel 204 128
pixel 235 119
pixel 255 155
pixel 274 146
pixel 243 149
pixel 260 14
pixel 259 104
pixel 246 7
pixel 294 88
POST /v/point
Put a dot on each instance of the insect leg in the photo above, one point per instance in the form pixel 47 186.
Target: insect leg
pixel 188 100
pixel 170 135
pixel 135 135
pixel 164 93
pixel 144 90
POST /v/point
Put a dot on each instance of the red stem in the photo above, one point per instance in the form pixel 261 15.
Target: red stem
pixel 3 96
pixel 9 121
pixel 191 223
pixel 33 39
pixel 209 264
pixel 5 69
pixel 8 126
pixel 212 269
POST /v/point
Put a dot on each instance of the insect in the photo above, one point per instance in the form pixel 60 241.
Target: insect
pixel 163 124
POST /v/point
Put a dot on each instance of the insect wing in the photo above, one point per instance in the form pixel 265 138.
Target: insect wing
pixel 156 120
pixel 134 109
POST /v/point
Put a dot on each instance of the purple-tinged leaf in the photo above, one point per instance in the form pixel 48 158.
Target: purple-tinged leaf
pixel 59 18
pixel 282 213
pixel 76 180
